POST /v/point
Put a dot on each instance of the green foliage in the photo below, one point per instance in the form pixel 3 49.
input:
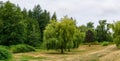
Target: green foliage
pixel 116 35
pixel 21 48
pixel 5 47
pixel 17 27
pixel 31 27
pixel 62 35
pixel 54 17
pixel 105 43
pixel 42 17
pixel 78 38
pixel 102 32
pixel 31 32
pixel 82 28
pixel 89 36
pixel 52 43
pixel 117 41
pixel 5 55
pixel 95 43
pixel 90 25
pixel 11 32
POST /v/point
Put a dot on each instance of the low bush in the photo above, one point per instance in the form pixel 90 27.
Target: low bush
pixel 5 55
pixel 5 47
pixel 21 48
pixel 105 43
pixel 95 43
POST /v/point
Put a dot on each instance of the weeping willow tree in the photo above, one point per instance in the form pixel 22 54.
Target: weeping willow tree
pixel 50 35
pixel 116 33
pixel 78 38
pixel 61 35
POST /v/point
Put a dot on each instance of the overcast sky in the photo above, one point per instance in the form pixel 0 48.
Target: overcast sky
pixel 82 10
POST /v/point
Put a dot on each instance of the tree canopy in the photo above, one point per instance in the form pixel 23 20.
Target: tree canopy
pixel 61 35
pixel 37 27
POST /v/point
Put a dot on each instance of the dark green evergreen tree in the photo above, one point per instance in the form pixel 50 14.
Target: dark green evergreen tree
pixel 42 17
pixel 25 13
pixel 12 29
pixel 54 17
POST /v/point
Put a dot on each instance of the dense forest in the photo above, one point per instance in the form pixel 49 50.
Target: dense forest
pixel 39 29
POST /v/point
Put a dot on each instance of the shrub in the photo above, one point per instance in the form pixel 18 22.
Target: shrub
pixel 5 55
pixel 21 48
pixel 117 41
pixel 95 43
pixel 104 43
pixel 5 47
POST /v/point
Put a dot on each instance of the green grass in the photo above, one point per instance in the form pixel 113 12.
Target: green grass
pixel 52 55
pixel 28 58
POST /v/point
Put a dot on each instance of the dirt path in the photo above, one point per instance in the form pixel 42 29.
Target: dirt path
pixel 110 53
pixel 84 53
pixel 114 55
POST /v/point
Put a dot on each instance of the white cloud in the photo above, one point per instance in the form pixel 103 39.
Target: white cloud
pixel 83 10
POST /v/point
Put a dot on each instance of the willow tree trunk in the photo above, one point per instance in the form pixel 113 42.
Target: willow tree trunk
pixel 62 50
pixel 69 50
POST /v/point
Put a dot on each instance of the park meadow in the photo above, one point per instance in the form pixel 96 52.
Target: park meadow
pixel 38 35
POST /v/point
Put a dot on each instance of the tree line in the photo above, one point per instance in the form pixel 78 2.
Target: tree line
pixel 22 26
pixel 36 27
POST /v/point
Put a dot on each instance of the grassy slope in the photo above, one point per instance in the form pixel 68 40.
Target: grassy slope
pixel 83 53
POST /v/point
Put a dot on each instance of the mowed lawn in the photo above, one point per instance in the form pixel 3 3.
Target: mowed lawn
pixel 83 53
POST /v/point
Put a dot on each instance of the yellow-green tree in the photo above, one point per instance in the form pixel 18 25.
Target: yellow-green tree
pixel 60 35
pixel 116 31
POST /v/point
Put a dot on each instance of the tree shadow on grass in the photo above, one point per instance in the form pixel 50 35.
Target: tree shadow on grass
pixel 65 53
pixel 56 53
